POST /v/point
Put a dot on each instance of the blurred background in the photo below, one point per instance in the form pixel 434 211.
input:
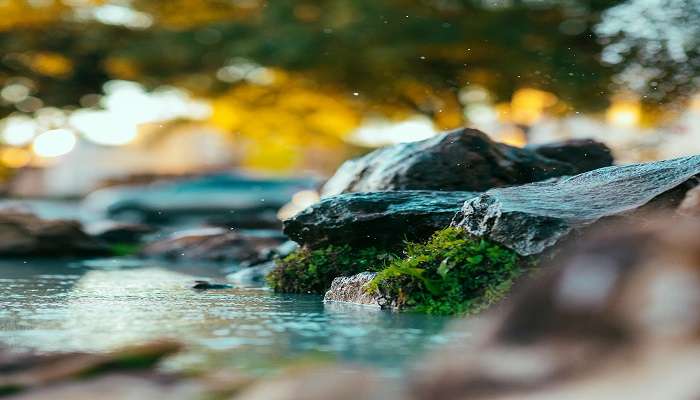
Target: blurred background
pixel 94 93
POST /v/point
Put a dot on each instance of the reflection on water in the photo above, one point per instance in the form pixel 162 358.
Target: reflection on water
pixel 99 305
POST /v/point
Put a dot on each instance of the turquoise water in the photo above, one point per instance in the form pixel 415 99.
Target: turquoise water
pixel 103 304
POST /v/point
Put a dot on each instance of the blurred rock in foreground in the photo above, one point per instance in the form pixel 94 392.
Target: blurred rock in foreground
pixel 23 234
pixel 29 375
pixel 530 218
pixel 612 317
pixel 323 384
pixel 464 159
pixel 690 206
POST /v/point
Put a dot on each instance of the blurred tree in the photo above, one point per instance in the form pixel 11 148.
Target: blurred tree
pixel 399 53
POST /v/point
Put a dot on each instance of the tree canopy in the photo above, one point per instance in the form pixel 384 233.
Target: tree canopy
pixel 403 54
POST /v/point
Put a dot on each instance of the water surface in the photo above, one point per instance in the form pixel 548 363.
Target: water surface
pixel 96 306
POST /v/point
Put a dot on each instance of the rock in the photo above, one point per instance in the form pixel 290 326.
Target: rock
pixel 21 371
pixel 323 383
pixel 351 289
pixel 206 285
pixel 252 276
pixel 604 319
pixel 248 218
pixel 130 373
pixel 533 217
pixel 460 160
pixel 690 207
pixel 114 232
pixel 210 244
pixel 25 234
pixel 584 154
pixel 377 219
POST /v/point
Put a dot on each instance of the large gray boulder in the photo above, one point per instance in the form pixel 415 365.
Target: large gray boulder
pixel 378 219
pixel 533 217
pixel 461 160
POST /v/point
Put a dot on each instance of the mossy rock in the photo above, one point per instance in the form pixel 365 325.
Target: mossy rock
pixel 453 273
pixel 313 271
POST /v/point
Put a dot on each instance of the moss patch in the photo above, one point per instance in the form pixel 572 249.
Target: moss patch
pixel 452 273
pixel 125 249
pixel 312 271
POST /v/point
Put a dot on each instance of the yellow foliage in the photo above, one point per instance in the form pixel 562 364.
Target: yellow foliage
pixel 283 118
pixel 182 14
pixel 51 64
pixel 16 14
pixel 528 105
pixel 121 68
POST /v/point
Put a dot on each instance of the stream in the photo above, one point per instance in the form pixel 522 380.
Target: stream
pixel 98 305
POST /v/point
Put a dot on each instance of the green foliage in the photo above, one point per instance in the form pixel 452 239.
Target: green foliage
pixel 312 271
pixel 450 274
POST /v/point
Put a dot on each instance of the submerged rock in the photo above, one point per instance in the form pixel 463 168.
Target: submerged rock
pixel 375 219
pixel 352 289
pixel 206 285
pixel 25 234
pixel 463 159
pixel 584 154
pixel 533 217
pixel 211 244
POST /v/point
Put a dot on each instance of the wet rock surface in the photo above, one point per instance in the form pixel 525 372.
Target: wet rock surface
pixel 211 244
pixel 460 160
pixel 376 219
pixel 584 154
pixel 25 234
pixel 533 217
pixel 352 289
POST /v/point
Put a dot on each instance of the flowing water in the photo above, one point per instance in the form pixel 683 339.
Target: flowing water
pixel 103 304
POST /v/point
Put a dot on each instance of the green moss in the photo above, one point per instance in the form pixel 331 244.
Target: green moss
pixel 125 249
pixel 452 273
pixel 312 271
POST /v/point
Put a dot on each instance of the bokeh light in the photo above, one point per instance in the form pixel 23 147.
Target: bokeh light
pixel 103 127
pixel 624 113
pixel 54 143
pixel 18 130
